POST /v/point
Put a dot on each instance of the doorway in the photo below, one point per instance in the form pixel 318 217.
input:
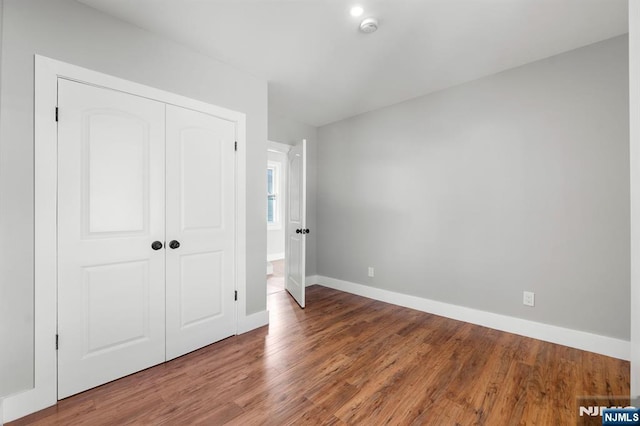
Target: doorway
pixel 275 276
pixel 286 217
pixel 276 202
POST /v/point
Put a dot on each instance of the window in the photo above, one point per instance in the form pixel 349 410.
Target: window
pixel 273 201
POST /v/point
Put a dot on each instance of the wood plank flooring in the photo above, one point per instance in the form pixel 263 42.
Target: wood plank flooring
pixel 351 360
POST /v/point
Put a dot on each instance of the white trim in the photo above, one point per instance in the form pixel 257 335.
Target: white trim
pixel 275 256
pixel 278 192
pixel 634 176
pixel 44 392
pixel 312 280
pixel 47 72
pixel 604 345
pixel 253 321
pixel 241 223
pixel 282 148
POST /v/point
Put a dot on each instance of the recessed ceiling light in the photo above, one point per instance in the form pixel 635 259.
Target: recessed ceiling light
pixel 357 11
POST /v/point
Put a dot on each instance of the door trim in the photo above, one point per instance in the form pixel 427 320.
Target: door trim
pixel 47 72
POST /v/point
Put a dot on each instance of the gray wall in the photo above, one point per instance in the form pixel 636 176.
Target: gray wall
pixel 285 130
pixel 74 33
pixel 4 306
pixel 517 181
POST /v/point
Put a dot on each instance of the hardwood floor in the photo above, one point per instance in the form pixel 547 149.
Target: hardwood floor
pixel 351 360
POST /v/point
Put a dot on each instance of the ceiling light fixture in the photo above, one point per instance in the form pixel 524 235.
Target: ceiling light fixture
pixel 369 25
pixel 357 11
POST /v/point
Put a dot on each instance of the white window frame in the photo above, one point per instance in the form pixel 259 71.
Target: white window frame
pixel 277 191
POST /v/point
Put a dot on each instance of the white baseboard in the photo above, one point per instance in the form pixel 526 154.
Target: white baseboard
pixel 590 342
pixel 275 256
pixel 311 280
pixel 30 401
pixel 252 321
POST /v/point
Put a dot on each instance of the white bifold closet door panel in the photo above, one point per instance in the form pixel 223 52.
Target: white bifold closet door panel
pixel 111 207
pixel 201 219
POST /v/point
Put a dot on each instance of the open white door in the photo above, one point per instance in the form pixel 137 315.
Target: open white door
pixel 296 222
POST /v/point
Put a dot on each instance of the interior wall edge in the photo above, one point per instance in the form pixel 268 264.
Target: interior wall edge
pixel 634 154
pixel 253 321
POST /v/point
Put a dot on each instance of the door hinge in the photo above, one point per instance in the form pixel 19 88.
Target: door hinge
pixel 57 340
pixel 56 113
pixel 235 146
pixel 235 295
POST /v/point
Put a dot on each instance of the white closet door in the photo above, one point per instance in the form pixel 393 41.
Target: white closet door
pixel 201 219
pixel 111 283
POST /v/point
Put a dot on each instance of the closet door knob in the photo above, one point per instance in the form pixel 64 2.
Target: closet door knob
pixel 298 231
pixel 174 244
pixel 156 245
pixel 306 231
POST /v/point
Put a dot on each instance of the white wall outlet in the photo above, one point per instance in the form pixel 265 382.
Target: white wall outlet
pixel 529 298
pixel 370 272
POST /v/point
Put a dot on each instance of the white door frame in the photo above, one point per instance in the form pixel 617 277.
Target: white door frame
pixel 280 148
pixel 47 72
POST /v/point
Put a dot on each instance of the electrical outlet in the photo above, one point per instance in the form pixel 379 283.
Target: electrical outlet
pixel 529 298
pixel 371 271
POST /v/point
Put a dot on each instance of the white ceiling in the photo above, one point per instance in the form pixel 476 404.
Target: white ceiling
pixel 321 69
